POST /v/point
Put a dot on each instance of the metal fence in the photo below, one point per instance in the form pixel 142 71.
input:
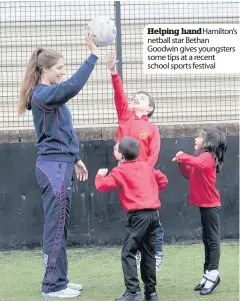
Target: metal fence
pixel 60 25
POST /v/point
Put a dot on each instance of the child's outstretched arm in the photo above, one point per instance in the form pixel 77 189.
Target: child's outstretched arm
pixel 184 169
pixel 154 148
pixel 204 160
pixel 105 183
pixel 161 180
pixel 120 99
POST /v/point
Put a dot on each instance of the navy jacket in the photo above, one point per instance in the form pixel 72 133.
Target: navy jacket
pixel 56 138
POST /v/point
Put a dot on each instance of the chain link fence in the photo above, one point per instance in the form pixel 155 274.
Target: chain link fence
pixel 60 25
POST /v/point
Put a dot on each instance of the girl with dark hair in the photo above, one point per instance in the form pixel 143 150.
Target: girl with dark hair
pixel 201 170
pixel 58 155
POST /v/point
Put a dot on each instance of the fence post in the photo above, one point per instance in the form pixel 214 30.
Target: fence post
pixel 119 37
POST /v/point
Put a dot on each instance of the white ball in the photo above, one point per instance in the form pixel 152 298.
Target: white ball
pixel 102 30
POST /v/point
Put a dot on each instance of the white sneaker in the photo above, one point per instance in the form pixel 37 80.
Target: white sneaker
pixel 138 259
pixel 66 293
pixel 159 260
pixel 75 286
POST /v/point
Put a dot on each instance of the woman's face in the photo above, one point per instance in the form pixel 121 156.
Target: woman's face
pixel 55 73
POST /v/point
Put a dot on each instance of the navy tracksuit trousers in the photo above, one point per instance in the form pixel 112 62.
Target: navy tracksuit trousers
pixel 55 180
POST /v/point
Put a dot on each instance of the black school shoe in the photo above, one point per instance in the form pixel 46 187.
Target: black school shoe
pixel 127 296
pixel 151 297
pixel 206 291
pixel 199 287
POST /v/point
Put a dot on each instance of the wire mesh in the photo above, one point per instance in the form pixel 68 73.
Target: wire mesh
pixel 60 25
pixel 179 98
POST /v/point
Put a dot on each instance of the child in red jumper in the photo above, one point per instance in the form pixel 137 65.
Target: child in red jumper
pixel 139 185
pixel 201 170
pixel 134 122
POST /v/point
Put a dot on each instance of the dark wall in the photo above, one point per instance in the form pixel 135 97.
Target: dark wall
pixel 96 218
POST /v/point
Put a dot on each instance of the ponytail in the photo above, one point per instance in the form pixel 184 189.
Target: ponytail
pixel 32 76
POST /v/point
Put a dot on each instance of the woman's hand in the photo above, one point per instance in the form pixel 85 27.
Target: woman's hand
pixel 81 171
pixel 90 43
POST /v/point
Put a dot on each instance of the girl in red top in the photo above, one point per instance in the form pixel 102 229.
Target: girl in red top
pixel 201 170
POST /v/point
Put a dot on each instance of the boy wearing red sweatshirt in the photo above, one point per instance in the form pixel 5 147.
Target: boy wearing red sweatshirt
pixel 134 122
pixel 139 186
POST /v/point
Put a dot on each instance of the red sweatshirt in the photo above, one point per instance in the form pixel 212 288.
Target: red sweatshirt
pixel 201 172
pixel 138 184
pixel 130 125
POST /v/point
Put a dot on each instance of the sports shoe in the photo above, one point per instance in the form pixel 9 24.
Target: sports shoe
pixel 127 296
pixel 151 297
pixel 65 293
pixel 138 259
pixel 75 286
pixel 159 260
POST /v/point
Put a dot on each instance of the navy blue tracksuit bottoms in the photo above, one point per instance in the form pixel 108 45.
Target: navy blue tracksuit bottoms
pixel 55 180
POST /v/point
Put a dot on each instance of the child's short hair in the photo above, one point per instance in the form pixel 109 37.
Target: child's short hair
pixel 151 102
pixel 215 143
pixel 129 147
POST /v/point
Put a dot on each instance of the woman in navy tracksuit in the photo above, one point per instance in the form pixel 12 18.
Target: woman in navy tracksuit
pixel 58 148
